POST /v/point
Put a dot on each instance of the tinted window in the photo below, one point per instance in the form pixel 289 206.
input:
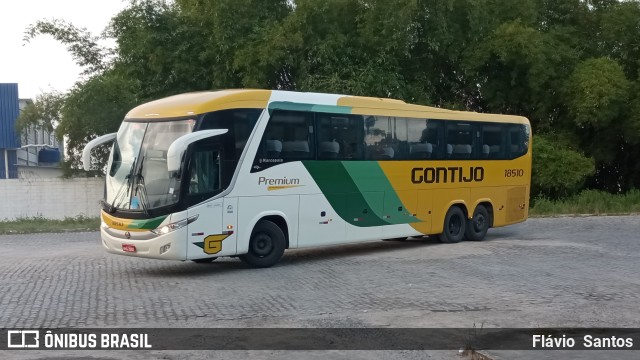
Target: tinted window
pixel 518 140
pixel 401 137
pixel 204 173
pixel 425 139
pixel 380 138
pixel 340 136
pixel 492 136
pixel 239 122
pixel 460 140
pixel 288 137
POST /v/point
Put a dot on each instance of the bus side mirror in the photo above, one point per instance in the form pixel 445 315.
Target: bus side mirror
pixel 86 152
pixel 179 146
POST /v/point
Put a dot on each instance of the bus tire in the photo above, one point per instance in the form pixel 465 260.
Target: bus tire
pixel 454 226
pixel 204 261
pixel 478 225
pixel 266 245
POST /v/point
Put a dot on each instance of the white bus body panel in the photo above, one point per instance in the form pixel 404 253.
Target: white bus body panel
pixel 319 223
pixel 206 237
pixel 305 98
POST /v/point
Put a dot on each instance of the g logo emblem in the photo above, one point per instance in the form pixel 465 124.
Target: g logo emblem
pixel 127 235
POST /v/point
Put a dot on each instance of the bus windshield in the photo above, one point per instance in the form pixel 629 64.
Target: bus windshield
pixel 137 170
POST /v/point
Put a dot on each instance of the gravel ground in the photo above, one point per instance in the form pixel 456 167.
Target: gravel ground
pixel 546 272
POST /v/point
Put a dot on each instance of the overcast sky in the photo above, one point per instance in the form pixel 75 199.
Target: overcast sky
pixel 44 64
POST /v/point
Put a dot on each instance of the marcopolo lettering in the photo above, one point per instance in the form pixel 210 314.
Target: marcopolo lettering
pixel 447 174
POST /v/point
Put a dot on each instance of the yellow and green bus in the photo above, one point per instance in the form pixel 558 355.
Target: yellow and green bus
pixel 251 173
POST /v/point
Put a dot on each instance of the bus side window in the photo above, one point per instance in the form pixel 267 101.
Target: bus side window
pixel 518 140
pixel 204 174
pixel 460 140
pixel 339 136
pixel 288 137
pixel 239 123
pixel 401 135
pixel 381 138
pixel 422 138
pixel 492 141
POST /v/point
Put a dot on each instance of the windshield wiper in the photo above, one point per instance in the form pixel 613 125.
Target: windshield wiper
pixel 141 190
pixel 120 193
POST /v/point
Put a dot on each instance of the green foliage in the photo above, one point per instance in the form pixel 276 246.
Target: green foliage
pixel 44 112
pixel 557 170
pixel 522 70
pixel 597 92
pixel 631 122
pixel 589 202
pixel 95 108
pixel 571 66
pixel 39 224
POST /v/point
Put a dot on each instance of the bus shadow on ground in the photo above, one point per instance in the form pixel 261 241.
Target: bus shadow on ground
pixel 291 257
pixel 384 246
pixel 317 254
pixel 355 250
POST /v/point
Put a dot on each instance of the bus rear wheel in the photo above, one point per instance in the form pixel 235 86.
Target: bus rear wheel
pixel 455 224
pixel 266 245
pixel 478 225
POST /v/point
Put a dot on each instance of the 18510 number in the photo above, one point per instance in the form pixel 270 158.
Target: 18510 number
pixel 513 172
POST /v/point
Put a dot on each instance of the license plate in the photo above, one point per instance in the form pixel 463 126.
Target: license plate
pixel 128 247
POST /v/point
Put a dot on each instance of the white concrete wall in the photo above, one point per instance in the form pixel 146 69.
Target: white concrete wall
pixel 38 172
pixel 52 198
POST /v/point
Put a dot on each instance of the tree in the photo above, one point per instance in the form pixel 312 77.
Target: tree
pixel 558 170
pixel 571 66
pixel 597 92
pixel 43 113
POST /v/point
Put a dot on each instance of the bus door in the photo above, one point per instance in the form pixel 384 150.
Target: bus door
pixel 208 233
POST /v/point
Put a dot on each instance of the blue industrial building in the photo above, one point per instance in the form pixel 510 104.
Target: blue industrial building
pixel 35 149
pixel 9 139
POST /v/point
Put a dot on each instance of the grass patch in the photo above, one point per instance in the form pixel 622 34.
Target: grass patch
pixel 39 224
pixel 589 202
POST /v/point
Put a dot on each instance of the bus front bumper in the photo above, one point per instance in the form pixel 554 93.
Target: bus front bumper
pixel 170 246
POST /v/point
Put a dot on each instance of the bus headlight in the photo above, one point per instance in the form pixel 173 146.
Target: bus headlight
pixel 165 229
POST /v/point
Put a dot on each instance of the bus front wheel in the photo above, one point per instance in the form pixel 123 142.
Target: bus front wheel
pixel 266 245
pixel 455 223
pixel 478 225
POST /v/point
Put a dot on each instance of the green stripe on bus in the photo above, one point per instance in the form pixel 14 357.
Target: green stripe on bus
pixel 359 192
pixel 285 105
pixel 371 181
pixel 147 224
pixel 343 194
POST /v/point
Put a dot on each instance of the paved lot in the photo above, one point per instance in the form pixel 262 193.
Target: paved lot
pixel 543 273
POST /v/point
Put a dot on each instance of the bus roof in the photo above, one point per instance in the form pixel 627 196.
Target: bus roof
pixel 196 103
pixel 191 104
